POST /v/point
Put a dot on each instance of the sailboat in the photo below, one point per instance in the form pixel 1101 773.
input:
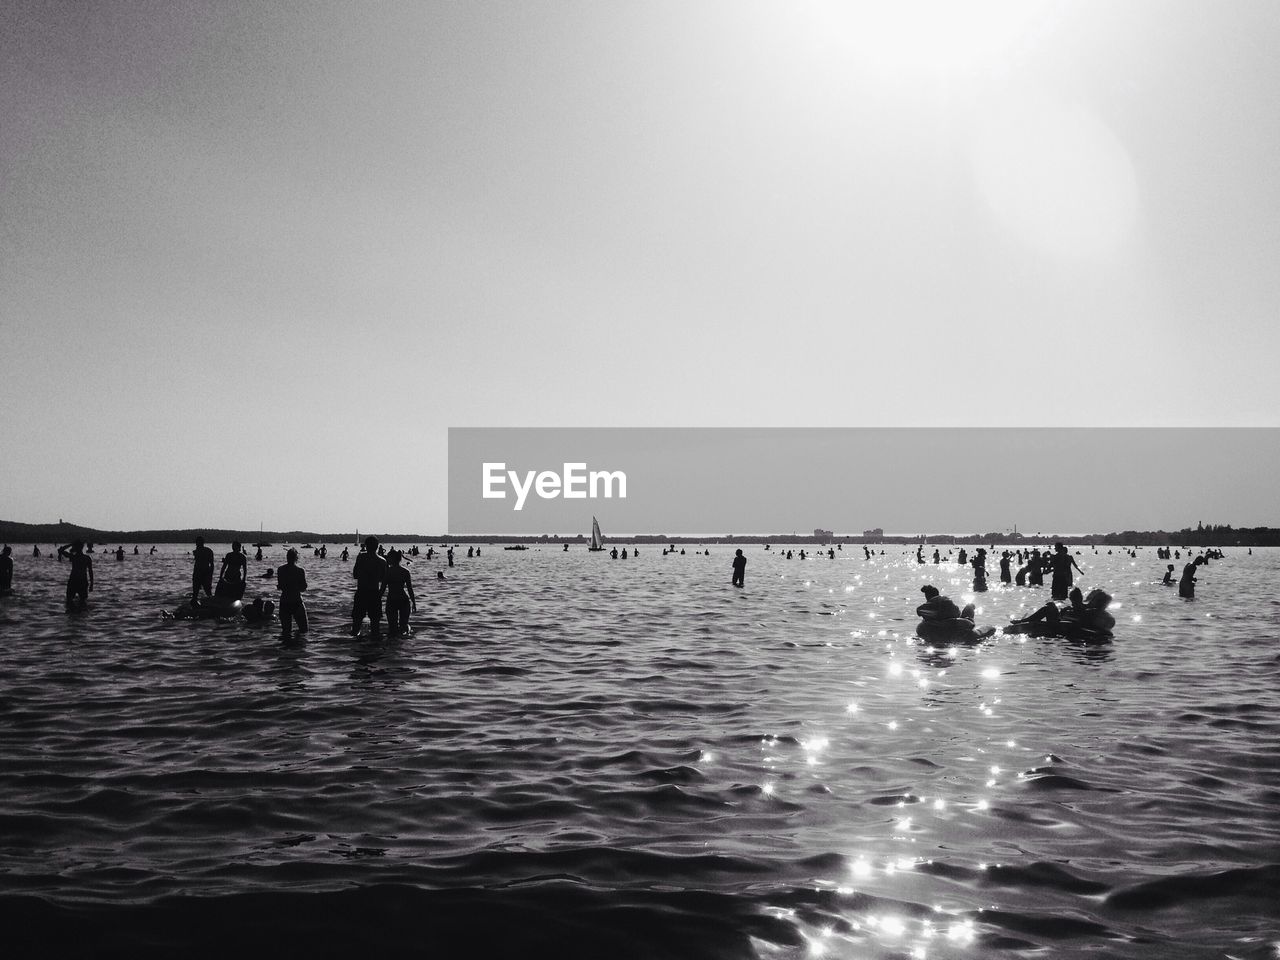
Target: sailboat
pixel 597 539
pixel 261 542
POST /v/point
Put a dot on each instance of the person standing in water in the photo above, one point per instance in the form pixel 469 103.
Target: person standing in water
pixel 1187 585
pixel 232 575
pixel 201 571
pixel 6 569
pixel 1062 562
pixel 739 569
pixel 291 581
pixel 370 572
pixel 80 580
pixel 400 598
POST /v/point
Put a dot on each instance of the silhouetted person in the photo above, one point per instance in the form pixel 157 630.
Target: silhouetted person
pixel 35 550
pixel 1095 615
pixel 624 553
pixel 152 551
pixel 1005 560
pixel 400 598
pixel 937 557
pixel 1168 576
pixel 370 572
pixel 1035 569
pixel 1187 585
pixel 936 606
pixel 258 555
pixel 451 556
pixel 232 574
pixel 201 571
pixel 120 554
pixel 566 548
pixel 1020 578
pixel 471 552
pixel 135 549
pixel 324 551
pixel 80 580
pixel 739 569
pixel 6 569
pixel 346 554
pixel 979 564
pixel 613 554
pixel 963 558
pixel 1062 562
pixel 291 581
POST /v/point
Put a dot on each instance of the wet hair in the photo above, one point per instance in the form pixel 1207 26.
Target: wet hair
pixel 929 591
pixel 235 546
pixel 1098 598
pixel 291 555
pixel 371 543
pixel 199 541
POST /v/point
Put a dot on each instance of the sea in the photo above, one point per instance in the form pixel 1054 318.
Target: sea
pixel 582 757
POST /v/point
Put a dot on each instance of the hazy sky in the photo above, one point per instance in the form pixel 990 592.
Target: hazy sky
pixel 255 259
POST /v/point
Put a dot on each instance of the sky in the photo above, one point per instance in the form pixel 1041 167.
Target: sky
pixel 256 259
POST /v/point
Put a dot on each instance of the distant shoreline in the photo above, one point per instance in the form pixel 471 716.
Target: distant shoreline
pixel 1217 536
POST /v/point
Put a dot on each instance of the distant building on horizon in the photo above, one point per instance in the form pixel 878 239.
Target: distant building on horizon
pixel 822 536
pixel 877 532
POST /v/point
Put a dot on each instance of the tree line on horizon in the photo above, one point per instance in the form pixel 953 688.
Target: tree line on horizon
pixel 1219 535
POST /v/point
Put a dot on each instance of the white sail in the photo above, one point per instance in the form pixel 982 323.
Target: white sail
pixel 597 539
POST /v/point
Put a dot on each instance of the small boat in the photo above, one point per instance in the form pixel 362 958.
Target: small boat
pixel 597 539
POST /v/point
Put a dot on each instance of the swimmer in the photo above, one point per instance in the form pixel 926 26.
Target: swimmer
pixel 370 572
pixel 6 569
pixel 232 574
pixel 1187 585
pixel 1168 576
pixel 400 598
pixel 201 571
pixel 936 606
pixel 291 581
pixel 1062 562
pixel 80 580
pixel 739 570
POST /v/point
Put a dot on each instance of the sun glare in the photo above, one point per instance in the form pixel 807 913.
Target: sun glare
pixel 928 35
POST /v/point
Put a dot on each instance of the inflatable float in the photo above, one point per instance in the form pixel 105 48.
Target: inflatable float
pixel 952 630
pixel 207 608
pixel 1068 629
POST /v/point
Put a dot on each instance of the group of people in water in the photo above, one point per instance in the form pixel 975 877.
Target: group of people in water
pixel 384 585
